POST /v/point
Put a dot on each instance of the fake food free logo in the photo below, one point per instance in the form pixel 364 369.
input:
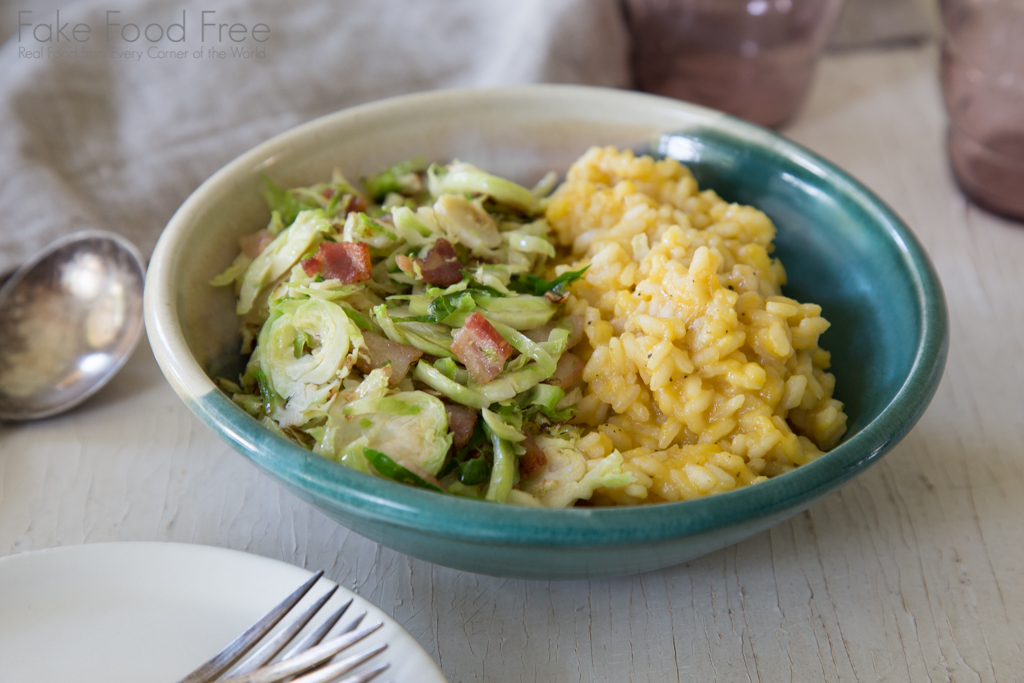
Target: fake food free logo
pixel 204 36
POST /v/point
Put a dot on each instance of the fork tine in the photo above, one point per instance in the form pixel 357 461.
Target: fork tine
pixel 367 676
pixel 274 645
pixel 331 671
pixel 355 623
pixel 236 648
pixel 318 634
pixel 302 662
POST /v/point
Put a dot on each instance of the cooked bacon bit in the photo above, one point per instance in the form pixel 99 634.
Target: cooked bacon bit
pixel 356 204
pixel 461 421
pixel 380 351
pixel 311 265
pixel 345 261
pixel 329 192
pixel 533 461
pixel 481 349
pixel 254 244
pixel 404 264
pixel 568 372
pixel 441 266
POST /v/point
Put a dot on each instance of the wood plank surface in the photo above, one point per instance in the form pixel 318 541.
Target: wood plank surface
pixel 913 572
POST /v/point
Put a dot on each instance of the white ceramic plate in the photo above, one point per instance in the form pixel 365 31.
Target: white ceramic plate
pixel 152 612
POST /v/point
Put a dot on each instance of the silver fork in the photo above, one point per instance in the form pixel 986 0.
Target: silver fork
pixel 307 656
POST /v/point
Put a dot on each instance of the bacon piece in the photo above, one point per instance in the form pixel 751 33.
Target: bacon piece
pixel 381 350
pixel 254 244
pixel 356 204
pixel 345 261
pixel 461 421
pixel 480 348
pixel 568 372
pixel 311 265
pixel 533 460
pixel 441 266
pixel 328 192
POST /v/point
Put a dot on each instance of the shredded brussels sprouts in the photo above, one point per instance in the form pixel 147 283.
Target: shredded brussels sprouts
pixel 413 329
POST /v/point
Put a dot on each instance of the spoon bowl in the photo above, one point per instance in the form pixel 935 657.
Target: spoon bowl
pixel 69 320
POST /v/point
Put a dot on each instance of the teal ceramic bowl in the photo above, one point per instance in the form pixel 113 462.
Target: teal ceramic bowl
pixel 841 246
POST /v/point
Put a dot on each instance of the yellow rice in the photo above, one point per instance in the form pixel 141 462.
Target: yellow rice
pixel 697 369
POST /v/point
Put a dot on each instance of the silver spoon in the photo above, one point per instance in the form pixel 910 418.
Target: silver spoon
pixel 69 319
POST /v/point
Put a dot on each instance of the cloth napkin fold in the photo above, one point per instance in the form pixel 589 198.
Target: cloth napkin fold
pixel 114 132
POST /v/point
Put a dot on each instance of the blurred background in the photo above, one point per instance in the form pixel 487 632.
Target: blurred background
pixel 115 132
pixel 861 22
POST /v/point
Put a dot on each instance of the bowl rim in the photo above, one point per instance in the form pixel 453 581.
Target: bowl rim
pixel 359 495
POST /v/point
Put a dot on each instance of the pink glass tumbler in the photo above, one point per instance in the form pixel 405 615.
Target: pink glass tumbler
pixel 983 85
pixel 751 58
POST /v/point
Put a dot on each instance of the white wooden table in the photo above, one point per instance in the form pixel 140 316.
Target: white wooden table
pixel 914 572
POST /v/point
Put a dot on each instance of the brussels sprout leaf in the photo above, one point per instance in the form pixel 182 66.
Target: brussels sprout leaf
pixel 390 469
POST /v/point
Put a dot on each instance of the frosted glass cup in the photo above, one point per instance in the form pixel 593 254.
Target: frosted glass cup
pixel 751 58
pixel 983 85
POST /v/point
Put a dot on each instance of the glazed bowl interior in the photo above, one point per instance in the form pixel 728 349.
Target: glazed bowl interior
pixel 841 247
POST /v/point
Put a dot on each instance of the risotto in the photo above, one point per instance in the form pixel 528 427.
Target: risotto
pixel 698 371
